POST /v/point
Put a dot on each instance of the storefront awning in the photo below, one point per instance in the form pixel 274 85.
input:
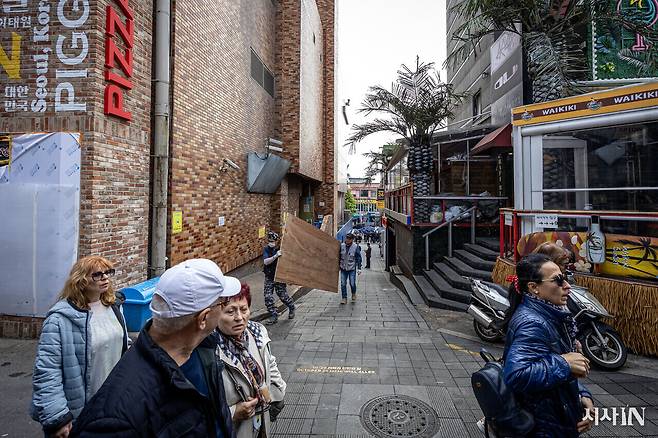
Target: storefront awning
pixel 500 138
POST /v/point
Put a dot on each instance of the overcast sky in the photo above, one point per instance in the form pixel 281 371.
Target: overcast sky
pixel 374 37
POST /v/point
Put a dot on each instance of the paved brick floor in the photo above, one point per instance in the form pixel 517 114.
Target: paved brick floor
pixel 338 357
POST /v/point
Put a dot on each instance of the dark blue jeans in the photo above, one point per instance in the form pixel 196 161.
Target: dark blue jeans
pixel 344 275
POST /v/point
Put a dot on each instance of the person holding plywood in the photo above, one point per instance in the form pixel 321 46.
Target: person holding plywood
pixel 271 254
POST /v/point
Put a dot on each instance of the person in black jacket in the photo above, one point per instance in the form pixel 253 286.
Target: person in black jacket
pixel 169 384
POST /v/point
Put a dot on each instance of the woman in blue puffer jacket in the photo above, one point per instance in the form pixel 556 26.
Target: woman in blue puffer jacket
pixel 542 365
pixel 83 337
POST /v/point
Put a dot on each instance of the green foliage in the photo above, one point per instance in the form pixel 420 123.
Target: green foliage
pixel 350 202
pixel 417 105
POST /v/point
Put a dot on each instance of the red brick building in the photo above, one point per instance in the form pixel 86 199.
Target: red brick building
pixel 241 72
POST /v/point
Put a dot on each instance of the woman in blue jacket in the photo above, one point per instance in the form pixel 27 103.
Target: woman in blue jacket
pixel 83 337
pixel 541 363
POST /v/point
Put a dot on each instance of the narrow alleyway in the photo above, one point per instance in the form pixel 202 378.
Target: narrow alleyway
pixel 337 358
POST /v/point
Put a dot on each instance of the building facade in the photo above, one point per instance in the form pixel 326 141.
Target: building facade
pixel 240 73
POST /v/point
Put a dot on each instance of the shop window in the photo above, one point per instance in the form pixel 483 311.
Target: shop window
pixel 612 168
pixel 364 193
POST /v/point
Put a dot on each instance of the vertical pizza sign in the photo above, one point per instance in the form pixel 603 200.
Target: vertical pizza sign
pixel 119 39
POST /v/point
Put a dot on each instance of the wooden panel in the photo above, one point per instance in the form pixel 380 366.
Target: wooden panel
pixel 310 257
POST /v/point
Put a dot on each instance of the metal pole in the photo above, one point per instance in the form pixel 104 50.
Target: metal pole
pixel 160 176
pixel 427 253
pixel 468 167
pixel 473 227
pixel 450 239
pixel 438 155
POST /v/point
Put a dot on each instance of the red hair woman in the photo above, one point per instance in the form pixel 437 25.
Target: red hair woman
pixel 83 337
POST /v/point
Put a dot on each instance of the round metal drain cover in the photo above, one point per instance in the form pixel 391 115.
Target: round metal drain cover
pixel 399 416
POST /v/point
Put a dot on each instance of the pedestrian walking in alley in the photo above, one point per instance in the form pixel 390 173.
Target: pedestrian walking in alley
pixel 271 254
pixel 350 265
pixel 368 254
pixel 170 382
pixel 254 387
pixel 83 337
pixel 542 366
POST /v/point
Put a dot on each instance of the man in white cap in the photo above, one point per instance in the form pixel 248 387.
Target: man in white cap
pixel 169 383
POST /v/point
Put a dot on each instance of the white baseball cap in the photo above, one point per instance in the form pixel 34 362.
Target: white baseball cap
pixel 192 286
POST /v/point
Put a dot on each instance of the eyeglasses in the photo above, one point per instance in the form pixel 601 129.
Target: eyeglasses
pixel 98 275
pixel 560 279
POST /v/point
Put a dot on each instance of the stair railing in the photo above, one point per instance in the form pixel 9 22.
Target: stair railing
pixel 448 223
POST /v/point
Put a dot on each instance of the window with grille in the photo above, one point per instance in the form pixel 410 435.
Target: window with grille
pixel 261 74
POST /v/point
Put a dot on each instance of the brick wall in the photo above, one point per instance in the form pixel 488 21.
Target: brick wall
pixel 114 201
pixel 219 112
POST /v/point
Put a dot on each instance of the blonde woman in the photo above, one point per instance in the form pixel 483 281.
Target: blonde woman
pixel 83 337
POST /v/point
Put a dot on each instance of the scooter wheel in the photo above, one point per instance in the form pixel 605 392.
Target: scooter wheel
pixel 609 355
pixel 486 333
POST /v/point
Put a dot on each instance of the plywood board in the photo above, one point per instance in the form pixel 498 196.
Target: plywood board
pixel 310 257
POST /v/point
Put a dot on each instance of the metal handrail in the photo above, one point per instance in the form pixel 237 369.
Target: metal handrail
pixel 448 223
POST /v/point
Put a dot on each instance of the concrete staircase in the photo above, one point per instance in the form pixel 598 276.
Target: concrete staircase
pixel 447 284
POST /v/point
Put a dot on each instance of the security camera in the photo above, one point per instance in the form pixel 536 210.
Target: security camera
pixel 274 141
pixel 231 163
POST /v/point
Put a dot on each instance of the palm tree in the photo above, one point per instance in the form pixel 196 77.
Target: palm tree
pixel 378 161
pixel 553 35
pixel 418 105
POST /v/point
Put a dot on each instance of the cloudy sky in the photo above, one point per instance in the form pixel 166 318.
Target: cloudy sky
pixel 374 37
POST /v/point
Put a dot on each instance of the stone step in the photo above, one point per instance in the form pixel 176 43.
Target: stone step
pixel 406 286
pixel 467 271
pixel 449 274
pixel 492 243
pixel 432 297
pixel 481 251
pixel 445 289
pixel 473 260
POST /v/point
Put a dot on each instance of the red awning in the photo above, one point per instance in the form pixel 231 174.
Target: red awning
pixel 500 138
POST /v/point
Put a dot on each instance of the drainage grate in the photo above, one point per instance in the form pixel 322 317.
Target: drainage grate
pixel 399 416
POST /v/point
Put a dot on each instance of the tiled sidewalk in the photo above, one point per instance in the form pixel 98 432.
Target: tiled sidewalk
pixel 336 358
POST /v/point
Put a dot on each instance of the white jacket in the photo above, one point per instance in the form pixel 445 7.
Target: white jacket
pixel 234 373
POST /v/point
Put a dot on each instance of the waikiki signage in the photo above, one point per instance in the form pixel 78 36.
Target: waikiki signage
pixel 619 99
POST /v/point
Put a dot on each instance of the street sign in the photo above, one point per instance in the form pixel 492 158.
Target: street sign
pixel 546 221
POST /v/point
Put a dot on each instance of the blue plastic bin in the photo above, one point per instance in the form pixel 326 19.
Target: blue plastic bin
pixel 136 307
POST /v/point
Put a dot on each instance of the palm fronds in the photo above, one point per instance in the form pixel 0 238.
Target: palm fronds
pixel 553 34
pixel 416 106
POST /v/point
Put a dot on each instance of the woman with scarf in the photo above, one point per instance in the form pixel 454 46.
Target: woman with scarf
pixel 252 379
pixel 542 365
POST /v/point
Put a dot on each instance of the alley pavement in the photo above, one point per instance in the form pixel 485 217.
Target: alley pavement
pixel 350 369
pixel 375 367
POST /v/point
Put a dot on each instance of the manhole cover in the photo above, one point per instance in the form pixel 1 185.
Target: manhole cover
pixel 399 415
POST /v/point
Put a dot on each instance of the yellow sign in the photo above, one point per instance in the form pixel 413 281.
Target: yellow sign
pixel 261 232
pixel 380 205
pixel 176 222
pixel 587 105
